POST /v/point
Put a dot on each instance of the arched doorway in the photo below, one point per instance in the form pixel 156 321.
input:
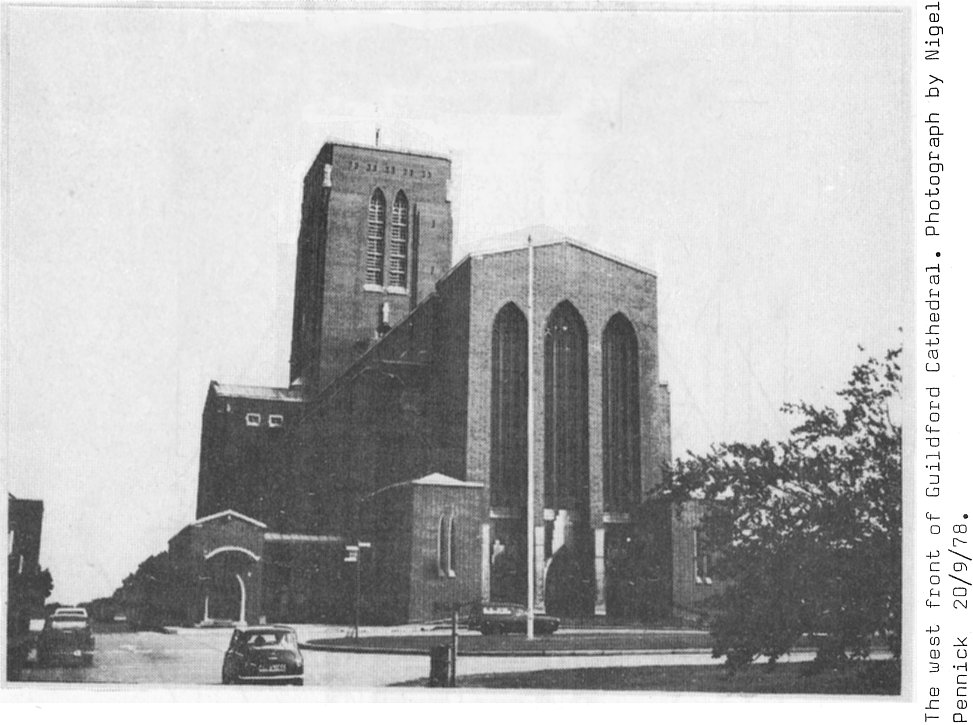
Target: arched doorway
pixel 227 575
pixel 569 582
pixel 508 560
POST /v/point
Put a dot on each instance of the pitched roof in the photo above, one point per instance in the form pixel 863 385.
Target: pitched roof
pixel 439 479
pixel 302 538
pixel 232 513
pixel 432 479
pixel 542 235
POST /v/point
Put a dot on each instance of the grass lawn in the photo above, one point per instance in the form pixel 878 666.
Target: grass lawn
pixel 518 643
pixel 880 677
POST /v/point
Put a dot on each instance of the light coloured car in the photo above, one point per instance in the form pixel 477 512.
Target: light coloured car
pixel 66 636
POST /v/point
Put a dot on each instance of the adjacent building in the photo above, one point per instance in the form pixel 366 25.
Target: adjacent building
pixel 27 585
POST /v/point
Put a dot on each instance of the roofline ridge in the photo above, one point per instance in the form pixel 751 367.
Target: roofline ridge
pixel 567 241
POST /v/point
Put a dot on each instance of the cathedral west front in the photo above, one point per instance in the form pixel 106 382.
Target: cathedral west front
pixel 405 426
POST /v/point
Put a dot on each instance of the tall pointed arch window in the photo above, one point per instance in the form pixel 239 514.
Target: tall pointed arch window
pixel 375 262
pixel 399 242
pixel 621 427
pixel 565 410
pixel 508 409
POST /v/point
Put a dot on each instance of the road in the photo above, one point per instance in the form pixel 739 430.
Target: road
pixel 194 657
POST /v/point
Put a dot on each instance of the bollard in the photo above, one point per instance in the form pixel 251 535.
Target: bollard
pixel 440 659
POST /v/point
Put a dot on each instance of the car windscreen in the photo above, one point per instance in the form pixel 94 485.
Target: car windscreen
pixel 72 623
pixel 272 639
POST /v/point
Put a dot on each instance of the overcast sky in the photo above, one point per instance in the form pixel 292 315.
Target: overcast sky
pixel 759 162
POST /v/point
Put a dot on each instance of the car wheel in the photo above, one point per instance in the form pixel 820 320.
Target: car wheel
pixel 486 629
pixel 88 660
pixel 299 683
pixel 227 678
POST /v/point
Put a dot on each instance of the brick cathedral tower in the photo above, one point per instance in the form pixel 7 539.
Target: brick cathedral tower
pixel 376 234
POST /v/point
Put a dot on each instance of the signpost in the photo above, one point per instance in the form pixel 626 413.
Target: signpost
pixel 353 556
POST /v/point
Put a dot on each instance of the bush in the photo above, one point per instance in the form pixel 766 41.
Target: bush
pixel 809 529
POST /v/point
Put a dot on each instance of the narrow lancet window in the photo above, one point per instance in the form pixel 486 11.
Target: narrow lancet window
pixel 375 262
pixel 399 243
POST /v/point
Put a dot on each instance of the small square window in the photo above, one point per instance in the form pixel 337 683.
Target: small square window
pixel 275 421
pixel 253 419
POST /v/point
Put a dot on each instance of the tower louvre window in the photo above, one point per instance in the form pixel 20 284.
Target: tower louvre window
pixel 374 272
pixel 399 246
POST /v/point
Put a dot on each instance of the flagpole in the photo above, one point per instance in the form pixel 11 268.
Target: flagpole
pixel 530 439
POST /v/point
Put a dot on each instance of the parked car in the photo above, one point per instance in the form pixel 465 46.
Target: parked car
pixel 502 617
pixel 71 612
pixel 66 636
pixel 263 654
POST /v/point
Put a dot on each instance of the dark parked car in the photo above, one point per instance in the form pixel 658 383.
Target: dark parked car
pixel 501 617
pixel 66 636
pixel 263 654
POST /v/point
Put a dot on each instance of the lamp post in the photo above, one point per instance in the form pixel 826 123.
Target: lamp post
pixel 530 438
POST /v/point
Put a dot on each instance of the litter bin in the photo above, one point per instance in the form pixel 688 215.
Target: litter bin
pixel 439 662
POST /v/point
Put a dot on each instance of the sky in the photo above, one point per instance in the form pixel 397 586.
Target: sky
pixel 759 162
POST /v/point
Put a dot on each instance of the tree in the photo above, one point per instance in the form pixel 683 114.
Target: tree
pixel 809 529
pixel 150 595
pixel 27 589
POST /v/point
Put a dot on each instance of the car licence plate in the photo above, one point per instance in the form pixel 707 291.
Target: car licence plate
pixel 274 668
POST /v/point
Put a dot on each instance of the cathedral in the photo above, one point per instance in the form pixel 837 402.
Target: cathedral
pixel 404 430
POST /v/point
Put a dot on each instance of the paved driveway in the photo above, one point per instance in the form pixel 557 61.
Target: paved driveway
pixel 194 657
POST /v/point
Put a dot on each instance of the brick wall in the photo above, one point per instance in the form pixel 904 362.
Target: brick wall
pixel 336 314
pixel 188 550
pixel 401 577
pixel 598 287
pixel 243 467
pixel 387 524
pixel 306 582
pixel 435 594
